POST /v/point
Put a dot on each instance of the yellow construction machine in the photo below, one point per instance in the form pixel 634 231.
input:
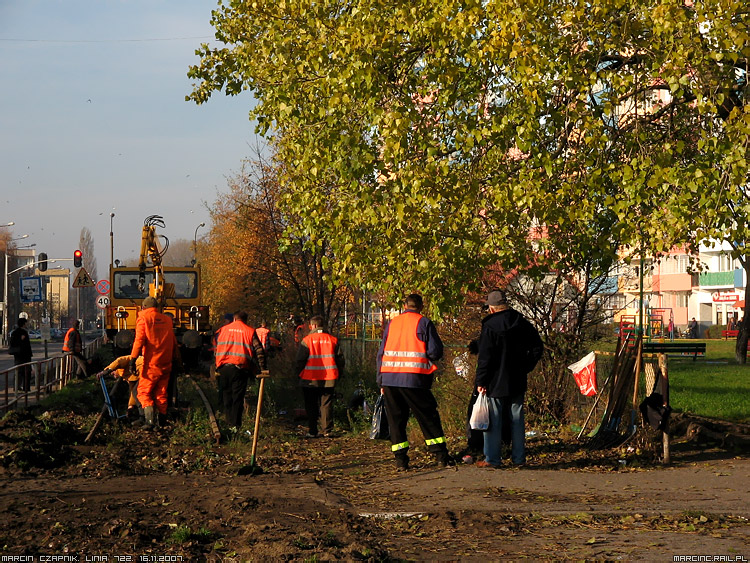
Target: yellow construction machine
pixel 176 289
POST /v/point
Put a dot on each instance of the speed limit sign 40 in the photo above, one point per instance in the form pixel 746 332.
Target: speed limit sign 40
pixel 102 301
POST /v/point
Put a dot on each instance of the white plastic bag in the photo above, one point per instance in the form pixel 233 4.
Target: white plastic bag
pixel 480 413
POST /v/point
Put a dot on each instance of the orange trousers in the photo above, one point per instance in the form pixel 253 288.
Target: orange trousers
pixel 152 389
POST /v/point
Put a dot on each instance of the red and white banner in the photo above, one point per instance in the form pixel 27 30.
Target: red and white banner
pixel 584 370
pixel 717 297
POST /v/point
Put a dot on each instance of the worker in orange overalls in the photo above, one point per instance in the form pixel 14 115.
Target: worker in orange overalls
pixel 121 368
pixel 156 342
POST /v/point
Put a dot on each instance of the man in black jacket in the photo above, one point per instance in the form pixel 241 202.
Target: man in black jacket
pixel 509 348
pixel 20 346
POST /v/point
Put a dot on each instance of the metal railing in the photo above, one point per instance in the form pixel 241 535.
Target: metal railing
pixel 46 376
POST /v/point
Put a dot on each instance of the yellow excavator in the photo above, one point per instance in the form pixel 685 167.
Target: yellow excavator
pixel 176 289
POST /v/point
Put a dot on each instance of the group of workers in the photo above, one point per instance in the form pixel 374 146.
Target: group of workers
pixel 508 348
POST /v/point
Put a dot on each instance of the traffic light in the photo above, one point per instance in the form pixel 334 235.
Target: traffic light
pixel 78 258
pixel 42 261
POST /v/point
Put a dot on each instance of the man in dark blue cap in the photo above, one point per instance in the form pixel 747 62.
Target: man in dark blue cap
pixel 509 348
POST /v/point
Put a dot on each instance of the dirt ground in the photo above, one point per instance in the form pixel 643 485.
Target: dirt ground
pixel 165 496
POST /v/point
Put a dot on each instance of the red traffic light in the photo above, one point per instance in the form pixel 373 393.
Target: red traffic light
pixel 78 258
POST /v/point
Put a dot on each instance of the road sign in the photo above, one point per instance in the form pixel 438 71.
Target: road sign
pixel 31 289
pixel 83 279
pixel 102 286
pixel 102 301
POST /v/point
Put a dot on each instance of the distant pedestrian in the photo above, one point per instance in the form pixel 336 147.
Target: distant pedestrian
pixel 239 356
pixel 319 365
pixel 20 347
pixel 73 349
pixel 693 328
pixel 156 342
pixel 405 364
pixel 670 329
pixel 509 348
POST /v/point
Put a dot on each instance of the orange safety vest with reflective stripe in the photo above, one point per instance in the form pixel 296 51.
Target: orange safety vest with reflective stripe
pixel 234 345
pixel 72 342
pixel 403 351
pixel 263 336
pixel 321 363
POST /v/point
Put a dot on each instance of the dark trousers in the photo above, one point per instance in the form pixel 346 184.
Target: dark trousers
pixel 23 374
pixel 234 382
pixel 319 405
pixel 399 403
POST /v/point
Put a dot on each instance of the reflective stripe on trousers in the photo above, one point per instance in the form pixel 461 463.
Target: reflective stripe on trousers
pixel 401 446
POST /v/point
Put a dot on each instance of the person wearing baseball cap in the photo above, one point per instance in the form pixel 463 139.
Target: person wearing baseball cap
pixel 509 347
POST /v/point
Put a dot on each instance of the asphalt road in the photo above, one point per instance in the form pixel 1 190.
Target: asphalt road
pixel 37 347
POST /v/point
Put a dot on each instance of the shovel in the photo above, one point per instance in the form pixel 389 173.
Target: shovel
pixel 253 469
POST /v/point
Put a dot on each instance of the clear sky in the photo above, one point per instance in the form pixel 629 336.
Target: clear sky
pixel 93 121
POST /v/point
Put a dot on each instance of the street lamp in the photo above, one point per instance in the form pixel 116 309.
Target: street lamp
pixel 111 241
pixel 195 243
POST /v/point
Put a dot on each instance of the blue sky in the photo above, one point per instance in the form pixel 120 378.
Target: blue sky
pixel 93 120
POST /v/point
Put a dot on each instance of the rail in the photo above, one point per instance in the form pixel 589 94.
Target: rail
pixel 47 376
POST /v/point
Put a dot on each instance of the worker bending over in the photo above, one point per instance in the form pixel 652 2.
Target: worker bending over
pixel 121 368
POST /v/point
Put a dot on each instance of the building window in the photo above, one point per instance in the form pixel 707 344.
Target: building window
pixel 682 299
pixel 683 262
pixel 726 263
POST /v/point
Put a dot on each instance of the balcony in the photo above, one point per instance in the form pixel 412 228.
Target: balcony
pixel 716 279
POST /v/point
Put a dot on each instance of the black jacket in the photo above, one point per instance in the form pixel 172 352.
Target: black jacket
pixel 19 338
pixel 509 348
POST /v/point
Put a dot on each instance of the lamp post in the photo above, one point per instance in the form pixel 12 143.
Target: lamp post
pixel 5 287
pixel 111 241
pixel 195 243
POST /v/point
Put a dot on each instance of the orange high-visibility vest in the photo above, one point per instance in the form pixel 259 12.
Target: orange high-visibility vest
pixel 234 345
pixel 263 336
pixel 72 342
pixel 321 363
pixel 403 351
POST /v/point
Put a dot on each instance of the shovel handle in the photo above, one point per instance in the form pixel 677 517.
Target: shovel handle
pixel 257 421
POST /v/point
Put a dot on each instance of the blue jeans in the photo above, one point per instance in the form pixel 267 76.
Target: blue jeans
pixel 494 435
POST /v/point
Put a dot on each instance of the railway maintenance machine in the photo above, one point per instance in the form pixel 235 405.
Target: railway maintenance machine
pixel 176 289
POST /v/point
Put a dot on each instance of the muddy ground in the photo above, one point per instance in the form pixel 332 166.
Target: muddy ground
pixel 171 494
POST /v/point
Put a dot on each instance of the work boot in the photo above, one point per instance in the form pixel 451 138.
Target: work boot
pixel 149 414
pixel 444 459
pixel 402 462
pixel 163 421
